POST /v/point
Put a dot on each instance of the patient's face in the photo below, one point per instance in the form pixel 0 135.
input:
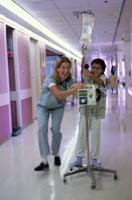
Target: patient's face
pixel 96 69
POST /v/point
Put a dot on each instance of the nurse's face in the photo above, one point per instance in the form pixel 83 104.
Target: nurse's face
pixel 64 70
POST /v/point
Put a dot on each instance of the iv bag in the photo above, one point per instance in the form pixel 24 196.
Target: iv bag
pixel 88 23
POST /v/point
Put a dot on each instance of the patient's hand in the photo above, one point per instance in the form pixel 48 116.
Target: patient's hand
pixel 86 73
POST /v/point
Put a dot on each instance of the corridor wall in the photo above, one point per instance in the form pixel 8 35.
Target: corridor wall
pixel 5 127
pixel 17 95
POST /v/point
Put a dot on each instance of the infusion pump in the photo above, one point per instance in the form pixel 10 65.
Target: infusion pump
pixel 87 96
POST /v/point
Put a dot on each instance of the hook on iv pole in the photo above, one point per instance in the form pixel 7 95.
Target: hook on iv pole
pixel 78 13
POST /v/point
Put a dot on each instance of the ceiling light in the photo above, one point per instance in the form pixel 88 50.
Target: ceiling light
pixel 37 37
pixel 17 10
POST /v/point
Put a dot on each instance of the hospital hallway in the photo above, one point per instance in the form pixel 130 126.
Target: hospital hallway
pixel 20 154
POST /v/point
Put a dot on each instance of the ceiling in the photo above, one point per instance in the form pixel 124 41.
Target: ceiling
pixel 111 24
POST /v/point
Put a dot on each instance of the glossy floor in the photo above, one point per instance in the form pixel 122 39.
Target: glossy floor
pixel 19 156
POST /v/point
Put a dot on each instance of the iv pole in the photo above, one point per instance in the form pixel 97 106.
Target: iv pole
pixel 89 169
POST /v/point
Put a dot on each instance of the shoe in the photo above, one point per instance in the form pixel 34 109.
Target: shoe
pixel 41 167
pixel 95 163
pixel 57 161
pixel 76 163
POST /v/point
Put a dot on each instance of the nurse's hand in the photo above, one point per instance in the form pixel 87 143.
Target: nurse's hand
pixel 80 86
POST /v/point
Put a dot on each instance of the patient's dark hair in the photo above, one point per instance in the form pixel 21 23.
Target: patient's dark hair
pixel 100 62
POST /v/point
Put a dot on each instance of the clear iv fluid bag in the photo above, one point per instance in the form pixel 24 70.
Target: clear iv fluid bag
pixel 88 23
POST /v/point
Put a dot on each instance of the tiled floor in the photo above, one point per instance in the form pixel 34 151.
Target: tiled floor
pixel 20 155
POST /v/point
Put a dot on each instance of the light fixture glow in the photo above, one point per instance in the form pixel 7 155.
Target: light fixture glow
pixel 37 37
pixel 17 10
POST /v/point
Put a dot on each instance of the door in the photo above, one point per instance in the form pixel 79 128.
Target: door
pixel 33 69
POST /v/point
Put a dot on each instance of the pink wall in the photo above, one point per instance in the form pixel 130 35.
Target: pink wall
pixel 4 107
pixel 26 105
pixel 3 56
pixel 24 81
pixel 24 61
pixel 4 121
pixel 25 77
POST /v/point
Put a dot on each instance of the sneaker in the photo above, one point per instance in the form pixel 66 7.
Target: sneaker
pixel 41 167
pixel 76 163
pixel 96 163
pixel 57 161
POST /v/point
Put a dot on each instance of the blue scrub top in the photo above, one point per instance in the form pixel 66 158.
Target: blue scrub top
pixel 47 98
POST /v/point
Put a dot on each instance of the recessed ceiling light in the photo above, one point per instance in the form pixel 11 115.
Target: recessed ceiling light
pixel 105 1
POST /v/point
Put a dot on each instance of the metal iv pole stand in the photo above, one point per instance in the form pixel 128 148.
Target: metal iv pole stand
pixel 89 168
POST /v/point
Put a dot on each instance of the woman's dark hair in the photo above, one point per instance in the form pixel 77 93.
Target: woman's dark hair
pixel 100 62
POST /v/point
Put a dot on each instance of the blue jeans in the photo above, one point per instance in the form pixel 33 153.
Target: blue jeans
pixel 43 115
